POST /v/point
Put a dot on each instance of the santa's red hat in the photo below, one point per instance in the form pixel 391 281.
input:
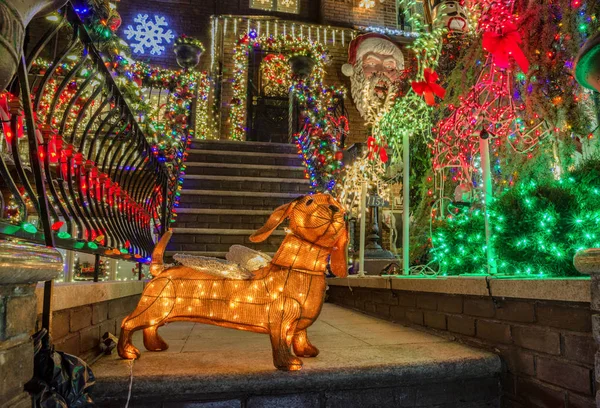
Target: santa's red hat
pixel 364 43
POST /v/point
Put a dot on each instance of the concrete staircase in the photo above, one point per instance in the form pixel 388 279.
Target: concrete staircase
pixel 229 191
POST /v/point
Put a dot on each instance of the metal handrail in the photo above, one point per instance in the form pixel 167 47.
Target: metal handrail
pixel 104 178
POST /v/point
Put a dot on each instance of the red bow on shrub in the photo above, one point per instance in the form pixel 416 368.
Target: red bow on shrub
pixel 375 148
pixel 506 44
pixel 429 88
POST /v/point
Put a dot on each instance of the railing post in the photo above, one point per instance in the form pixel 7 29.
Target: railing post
pixel 39 185
pixel 96 267
pixel 165 206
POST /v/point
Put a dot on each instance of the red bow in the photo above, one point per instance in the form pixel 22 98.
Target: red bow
pixel 375 148
pixel 505 44
pixel 429 88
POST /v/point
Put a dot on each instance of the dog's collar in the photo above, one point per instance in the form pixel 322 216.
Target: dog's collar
pixel 324 248
pixel 305 271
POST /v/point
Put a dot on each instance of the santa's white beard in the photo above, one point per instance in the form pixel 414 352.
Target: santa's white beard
pixel 372 96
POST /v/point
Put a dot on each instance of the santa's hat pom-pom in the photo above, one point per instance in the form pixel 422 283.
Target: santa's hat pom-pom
pixel 348 70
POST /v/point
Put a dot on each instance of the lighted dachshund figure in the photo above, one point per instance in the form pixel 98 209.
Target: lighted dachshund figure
pixel 281 299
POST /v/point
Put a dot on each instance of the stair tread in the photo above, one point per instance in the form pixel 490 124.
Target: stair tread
pixel 214 254
pixel 242 142
pixel 247 178
pixel 221 211
pixel 244 166
pixel 238 193
pixel 241 153
pixel 220 231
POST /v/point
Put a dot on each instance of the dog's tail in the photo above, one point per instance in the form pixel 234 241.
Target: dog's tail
pixel 156 264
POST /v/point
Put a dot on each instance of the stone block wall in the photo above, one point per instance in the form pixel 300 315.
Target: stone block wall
pixel 17 319
pixel 78 330
pixel 546 346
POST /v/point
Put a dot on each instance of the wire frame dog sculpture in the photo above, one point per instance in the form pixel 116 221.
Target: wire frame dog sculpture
pixel 281 299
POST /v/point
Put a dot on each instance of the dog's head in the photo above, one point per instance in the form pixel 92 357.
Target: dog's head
pixel 318 219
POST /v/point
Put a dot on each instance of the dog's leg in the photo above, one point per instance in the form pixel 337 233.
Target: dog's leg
pixel 302 347
pixel 283 318
pixel 127 350
pixel 152 340
pixel 152 310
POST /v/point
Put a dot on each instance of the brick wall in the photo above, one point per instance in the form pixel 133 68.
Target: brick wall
pixel 348 13
pixel 546 346
pixel 338 54
pixel 184 16
pixel 193 19
pixel 78 330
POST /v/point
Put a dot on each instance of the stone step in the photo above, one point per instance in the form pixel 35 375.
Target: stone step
pixel 223 231
pixel 248 170
pixel 238 200
pixel 208 211
pixel 237 146
pixel 363 362
pixel 240 157
pixel 220 239
pixel 221 218
pixel 247 184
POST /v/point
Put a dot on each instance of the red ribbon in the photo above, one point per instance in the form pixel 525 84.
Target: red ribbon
pixel 429 88
pixel 375 148
pixel 505 45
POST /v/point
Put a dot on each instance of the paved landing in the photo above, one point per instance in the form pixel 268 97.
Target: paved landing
pixel 357 350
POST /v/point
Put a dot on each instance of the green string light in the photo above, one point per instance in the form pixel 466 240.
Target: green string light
pixel 30 228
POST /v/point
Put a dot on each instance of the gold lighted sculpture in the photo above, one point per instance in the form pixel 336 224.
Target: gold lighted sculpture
pixel 282 298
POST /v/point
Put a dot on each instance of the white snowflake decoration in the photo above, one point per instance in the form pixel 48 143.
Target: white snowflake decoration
pixel 149 34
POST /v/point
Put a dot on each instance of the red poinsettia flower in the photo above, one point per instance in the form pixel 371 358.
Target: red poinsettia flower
pixel 429 88
pixel 504 45
pixel 374 148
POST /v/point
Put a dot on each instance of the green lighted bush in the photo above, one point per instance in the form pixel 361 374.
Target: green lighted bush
pixel 459 242
pixel 537 228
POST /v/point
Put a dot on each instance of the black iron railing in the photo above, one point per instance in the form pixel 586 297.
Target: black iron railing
pixel 81 171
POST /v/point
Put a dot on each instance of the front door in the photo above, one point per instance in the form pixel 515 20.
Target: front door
pixel 268 110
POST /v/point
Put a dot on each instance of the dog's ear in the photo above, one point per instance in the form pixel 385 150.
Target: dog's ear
pixel 338 260
pixel 280 214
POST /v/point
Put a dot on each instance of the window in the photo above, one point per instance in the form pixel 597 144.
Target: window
pixel 275 76
pixel 406 11
pixel 283 6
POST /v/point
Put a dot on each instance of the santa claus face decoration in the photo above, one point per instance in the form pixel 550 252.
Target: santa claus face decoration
pixel 451 15
pixel 375 66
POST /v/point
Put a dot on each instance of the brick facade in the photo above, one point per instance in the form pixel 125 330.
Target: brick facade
pixel 190 18
pixel 348 13
pixel 546 346
pixel 338 53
